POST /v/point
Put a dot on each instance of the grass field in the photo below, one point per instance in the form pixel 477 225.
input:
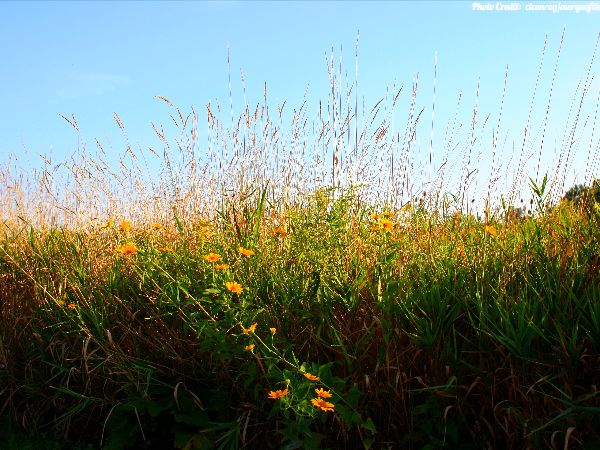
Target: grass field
pixel 265 297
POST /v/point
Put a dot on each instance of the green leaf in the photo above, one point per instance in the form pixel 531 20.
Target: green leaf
pixel 368 443
pixel 210 291
pixel 353 396
pixel 369 425
pixel 197 418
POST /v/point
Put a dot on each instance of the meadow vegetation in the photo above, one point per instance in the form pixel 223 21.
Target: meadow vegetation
pixel 287 288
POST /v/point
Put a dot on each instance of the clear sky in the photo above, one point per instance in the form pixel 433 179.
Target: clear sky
pixel 92 59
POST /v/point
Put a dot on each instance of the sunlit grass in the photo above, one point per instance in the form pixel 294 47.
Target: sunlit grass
pixel 260 296
pixel 417 312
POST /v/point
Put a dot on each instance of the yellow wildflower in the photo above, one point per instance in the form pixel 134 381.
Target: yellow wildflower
pixel 386 224
pixel 376 216
pixel 245 251
pixel 127 249
pixel 249 347
pixel 251 328
pixel 388 214
pixel 280 231
pixel 125 225
pixel 234 287
pixel 490 229
pixel 311 377
pixel 108 224
pixel 212 257
pixel 322 404
pixel 322 393
pixel 278 394
pixel 273 330
pixel 221 266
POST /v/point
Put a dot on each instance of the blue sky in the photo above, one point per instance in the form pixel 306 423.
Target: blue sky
pixel 92 59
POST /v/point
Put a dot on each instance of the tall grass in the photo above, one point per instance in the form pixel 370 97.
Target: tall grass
pixel 286 253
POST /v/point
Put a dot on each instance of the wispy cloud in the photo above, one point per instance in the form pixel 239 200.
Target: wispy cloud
pixel 86 84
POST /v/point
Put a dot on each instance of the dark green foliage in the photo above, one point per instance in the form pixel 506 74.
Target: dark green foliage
pixel 583 195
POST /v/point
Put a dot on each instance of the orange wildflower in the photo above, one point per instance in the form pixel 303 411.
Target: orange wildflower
pixel 311 377
pixel 234 287
pixel 72 305
pixel 125 225
pixel 212 257
pixel 280 231
pixel 221 266
pixel 278 394
pixel 490 229
pixel 322 393
pixel 251 328
pixel 245 251
pixel 249 347
pixel 322 404
pixel 127 249
pixel 386 224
